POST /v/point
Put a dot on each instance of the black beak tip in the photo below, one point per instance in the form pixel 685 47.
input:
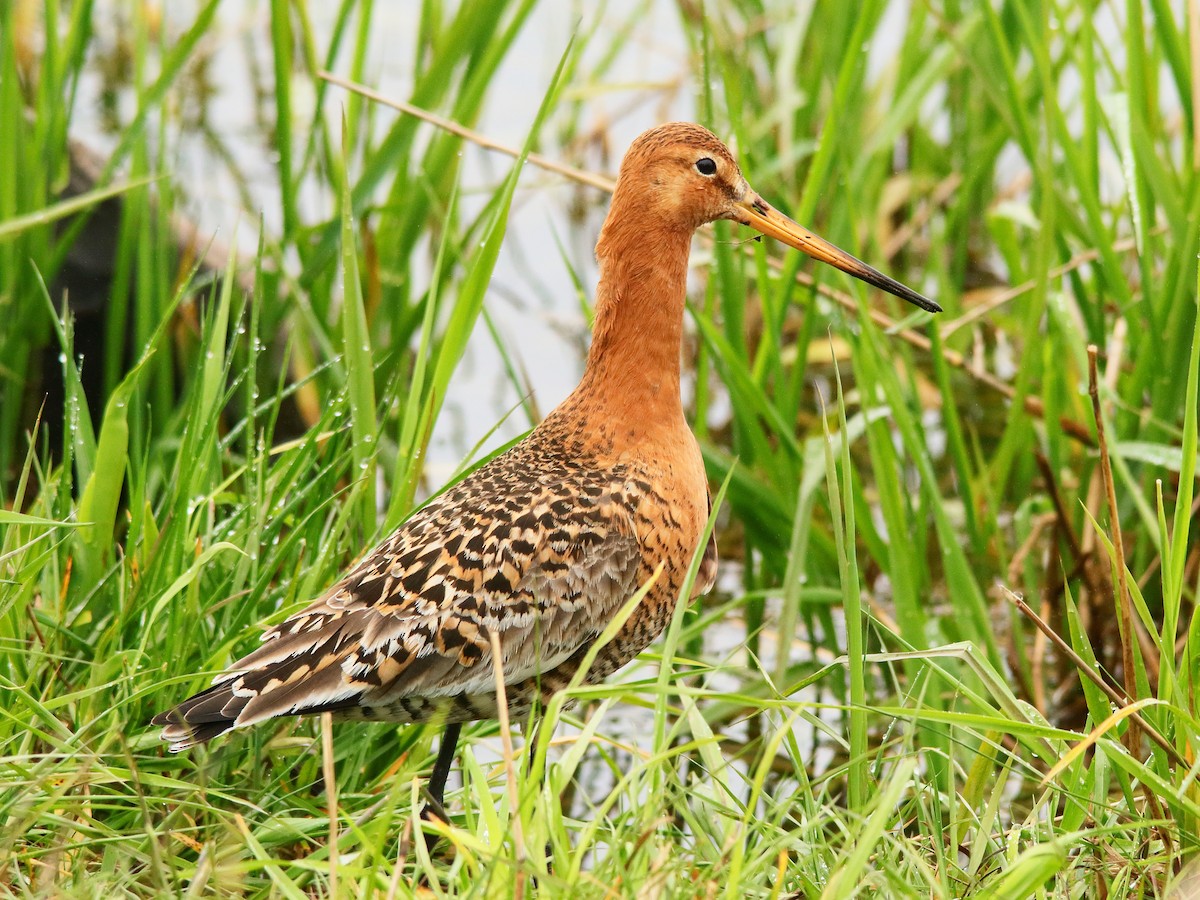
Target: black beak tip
pixel 918 300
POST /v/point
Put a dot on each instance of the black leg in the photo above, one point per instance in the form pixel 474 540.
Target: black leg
pixel 441 771
pixel 532 729
pixel 531 738
pixel 435 790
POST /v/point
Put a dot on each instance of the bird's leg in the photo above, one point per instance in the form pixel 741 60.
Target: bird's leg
pixel 532 731
pixel 436 789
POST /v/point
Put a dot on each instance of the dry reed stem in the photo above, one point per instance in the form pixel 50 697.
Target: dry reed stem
pixel 331 798
pixel 1123 602
pixel 510 767
pixel 1118 698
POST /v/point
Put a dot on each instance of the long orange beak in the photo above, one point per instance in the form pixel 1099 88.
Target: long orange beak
pixel 758 214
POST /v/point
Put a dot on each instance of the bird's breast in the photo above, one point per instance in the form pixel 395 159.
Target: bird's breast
pixel 672 500
pixel 663 486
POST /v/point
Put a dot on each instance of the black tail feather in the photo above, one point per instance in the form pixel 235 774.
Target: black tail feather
pixel 199 718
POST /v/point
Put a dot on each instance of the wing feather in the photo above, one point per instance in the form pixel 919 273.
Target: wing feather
pixel 543 565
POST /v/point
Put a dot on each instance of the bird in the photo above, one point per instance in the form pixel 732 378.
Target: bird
pixel 544 544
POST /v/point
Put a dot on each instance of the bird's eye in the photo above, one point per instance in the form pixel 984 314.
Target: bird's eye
pixel 706 166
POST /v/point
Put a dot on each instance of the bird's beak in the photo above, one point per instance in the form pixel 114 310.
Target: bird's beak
pixel 752 210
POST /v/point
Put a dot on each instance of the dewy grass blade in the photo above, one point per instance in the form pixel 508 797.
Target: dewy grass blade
pixel 282 41
pixel 360 370
pixel 101 496
pixel 841 500
pixel 12 227
pixel 671 639
pixel 1175 561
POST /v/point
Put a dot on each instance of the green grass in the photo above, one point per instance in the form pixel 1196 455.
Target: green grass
pixel 887 722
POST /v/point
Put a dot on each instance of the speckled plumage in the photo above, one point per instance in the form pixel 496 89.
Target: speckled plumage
pixel 545 543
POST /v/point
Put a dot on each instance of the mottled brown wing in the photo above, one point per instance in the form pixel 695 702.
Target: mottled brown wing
pixel 497 553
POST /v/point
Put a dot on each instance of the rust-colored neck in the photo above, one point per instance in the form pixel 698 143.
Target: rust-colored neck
pixel 631 382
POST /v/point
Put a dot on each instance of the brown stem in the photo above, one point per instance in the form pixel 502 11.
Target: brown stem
pixel 1118 699
pixel 1123 603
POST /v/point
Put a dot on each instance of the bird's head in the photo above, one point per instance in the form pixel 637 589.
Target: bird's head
pixel 681 176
